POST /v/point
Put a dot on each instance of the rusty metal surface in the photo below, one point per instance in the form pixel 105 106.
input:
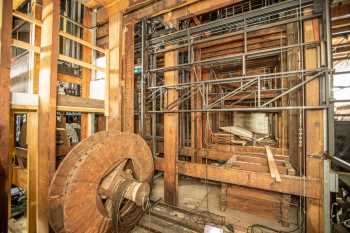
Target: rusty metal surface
pixel 75 205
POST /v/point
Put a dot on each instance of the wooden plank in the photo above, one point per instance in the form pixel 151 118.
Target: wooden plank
pixel 26 18
pixel 23 99
pixel 17 3
pixel 32 162
pixel 25 45
pixel 295 185
pixel 85 124
pixel 222 154
pixel 34 56
pixel 314 131
pixel 78 62
pixel 79 102
pixel 272 165
pixel 114 91
pixel 171 131
pixel 85 42
pixel 47 107
pixel 19 177
pixel 5 64
pixel 69 79
pixel 129 80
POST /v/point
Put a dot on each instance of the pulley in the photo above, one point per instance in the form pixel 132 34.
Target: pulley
pixel 102 185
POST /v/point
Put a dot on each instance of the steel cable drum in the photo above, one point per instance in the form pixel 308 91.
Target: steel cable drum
pixel 76 204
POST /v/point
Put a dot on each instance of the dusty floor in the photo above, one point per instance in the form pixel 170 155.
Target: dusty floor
pixel 193 196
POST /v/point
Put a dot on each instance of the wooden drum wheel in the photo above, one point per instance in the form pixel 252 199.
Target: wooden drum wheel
pixel 102 185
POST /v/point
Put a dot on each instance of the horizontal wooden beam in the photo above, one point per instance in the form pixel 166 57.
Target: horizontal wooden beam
pixel 81 41
pixel 26 18
pixel 29 102
pixel 222 154
pixel 24 45
pixel 300 186
pixel 78 104
pixel 36 49
pixel 69 78
pixel 24 101
pixel 78 62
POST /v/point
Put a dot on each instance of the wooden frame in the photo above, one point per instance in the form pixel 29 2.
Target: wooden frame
pixel 289 184
pixel 5 64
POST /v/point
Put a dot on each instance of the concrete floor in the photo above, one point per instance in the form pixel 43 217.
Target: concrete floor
pixel 193 196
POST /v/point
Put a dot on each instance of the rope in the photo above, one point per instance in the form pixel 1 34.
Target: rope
pixel 117 201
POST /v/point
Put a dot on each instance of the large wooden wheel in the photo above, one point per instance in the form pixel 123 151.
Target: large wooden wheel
pixel 102 185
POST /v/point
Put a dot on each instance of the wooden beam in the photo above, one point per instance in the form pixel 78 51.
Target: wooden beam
pixel 86 42
pixel 129 79
pixel 115 72
pixel 272 165
pixel 5 65
pixel 300 186
pixel 32 162
pixel 69 79
pixel 17 3
pixel 78 62
pixel 171 133
pixel 79 104
pixel 24 101
pixel 86 73
pixel 314 131
pixel 26 18
pixel 47 107
pixel 34 56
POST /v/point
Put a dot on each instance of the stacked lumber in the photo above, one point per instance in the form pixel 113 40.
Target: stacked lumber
pixel 262 203
pixel 222 138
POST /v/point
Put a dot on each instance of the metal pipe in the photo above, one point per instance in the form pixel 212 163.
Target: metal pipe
pixel 219 23
pixel 293 88
pixel 247 30
pixel 230 80
pixel 261 109
pixel 340 162
pixel 144 58
pixel 220 60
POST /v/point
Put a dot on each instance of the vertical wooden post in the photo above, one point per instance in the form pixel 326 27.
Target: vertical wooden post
pixel 86 73
pixel 5 66
pixel 35 36
pixel 196 117
pixel 171 132
pixel 47 107
pixel 314 130
pixel 115 72
pixel 291 118
pixel 32 162
pixel 129 79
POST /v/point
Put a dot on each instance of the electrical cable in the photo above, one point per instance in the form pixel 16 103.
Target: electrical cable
pixel 261 227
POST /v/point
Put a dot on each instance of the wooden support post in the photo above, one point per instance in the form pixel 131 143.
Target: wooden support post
pixel 129 79
pixel 291 118
pixel 171 132
pixel 196 117
pixel 32 162
pixel 5 66
pixel 115 72
pixel 47 107
pixel 34 58
pixel 86 73
pixel 314 130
